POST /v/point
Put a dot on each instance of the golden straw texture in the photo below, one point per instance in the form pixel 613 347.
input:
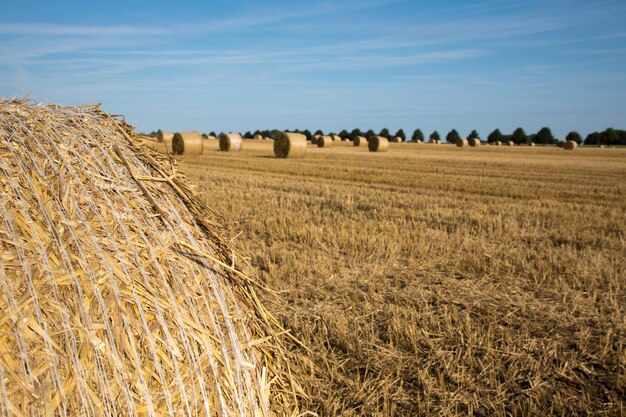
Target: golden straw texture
pixel 118 295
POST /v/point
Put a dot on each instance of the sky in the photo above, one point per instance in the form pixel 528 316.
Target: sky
pixel 330 65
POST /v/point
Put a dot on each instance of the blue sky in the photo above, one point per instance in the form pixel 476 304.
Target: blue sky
pixel 245 65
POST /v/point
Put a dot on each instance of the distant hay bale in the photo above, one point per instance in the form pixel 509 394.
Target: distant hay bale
pixel 120 293
pixel 509 143
pixel 324 142
pixel 336 138
pixel 258 137
pixel 230 142
pixel 378 144
pixel 187 143
pixel 498 143
pixel 162 135
pixel 570 145
pixel 531 144
pixel 359 141
pixel 166 138
pixel 461 143
pixel 154 145
pixel 437 141
pixel 473 142
pixel 314 139
pixel 290 145
pixel 432 141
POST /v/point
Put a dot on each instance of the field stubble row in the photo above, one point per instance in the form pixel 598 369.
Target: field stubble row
pixel 435 280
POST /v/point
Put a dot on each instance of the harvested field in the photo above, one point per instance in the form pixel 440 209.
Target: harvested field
pixel 428 281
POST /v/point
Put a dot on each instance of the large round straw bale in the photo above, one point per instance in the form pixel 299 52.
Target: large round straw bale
pixel 187 143
pixel 378 144
pixel 359 141
pixel 509 143
pixel 498 143
pixel 570 145
pixel 461 142
pixel 473 142
pixel 290 145
pixel 121 296
pixel 324 142
pixel 314 139
pixel 336 138
pixel 211 137
pixel 258 137
pixel 230 142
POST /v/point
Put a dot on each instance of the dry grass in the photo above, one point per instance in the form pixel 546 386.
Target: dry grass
pixel 428 281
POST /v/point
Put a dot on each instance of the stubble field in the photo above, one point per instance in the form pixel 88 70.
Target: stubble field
pixel 431 280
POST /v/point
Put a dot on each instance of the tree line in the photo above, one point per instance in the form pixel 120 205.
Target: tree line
pixel 609 136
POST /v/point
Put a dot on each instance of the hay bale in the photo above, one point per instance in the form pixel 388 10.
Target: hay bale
pixel 314 139
pixel 324 142
pixel 336 138
pixel 498 143
pixel 187 143
pixel 359 141
pixel 155 145
pixel 532 144
pixel 211 137
pixel 461 143
pixel 378 144
pixel 290 145
pixel 258 137
pixel 230 142
pixel 570 145
pixel 509 143
pixel 473 142
pixel 166 138
pixel 120 294
pixel 161 136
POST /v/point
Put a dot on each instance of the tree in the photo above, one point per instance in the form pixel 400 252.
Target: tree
pixel 494 136
pixel 205 136
pixel 247 135
pixel 307 133
pixel 384 132
pixel 319 132
pixel 575 136
pixel 417 135
pixel 473 135
pixel 355 133
pixel 400 134
pixel 212 134
pixel 344 133
pixel 519 136
pixel 544 136
pixel 435 135
pixel 452 136
pixel 369 133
